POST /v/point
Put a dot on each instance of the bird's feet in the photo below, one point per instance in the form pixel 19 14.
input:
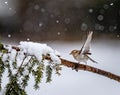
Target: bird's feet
pixel 76 67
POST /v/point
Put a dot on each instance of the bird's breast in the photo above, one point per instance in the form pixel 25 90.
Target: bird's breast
pixel 81 57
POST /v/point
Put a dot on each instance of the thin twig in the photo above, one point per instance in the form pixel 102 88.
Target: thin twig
pixel 29 61
pixel 21 65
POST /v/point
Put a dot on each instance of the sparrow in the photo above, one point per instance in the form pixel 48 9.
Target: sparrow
pixel 82 55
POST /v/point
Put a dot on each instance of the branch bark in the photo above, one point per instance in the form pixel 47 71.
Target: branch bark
pixel 90 69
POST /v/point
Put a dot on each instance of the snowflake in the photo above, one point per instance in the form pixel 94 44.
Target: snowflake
pixel 28 39
pixel 67 20
pixel 90 10
pixel 100 17
pixel 57 21
pixel 58 33
pixel 111 4
pixel 9 36
pixel 6 2
pixel 36 7
pixel 40 24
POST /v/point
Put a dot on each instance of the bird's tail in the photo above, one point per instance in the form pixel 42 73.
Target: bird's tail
pixel 92 59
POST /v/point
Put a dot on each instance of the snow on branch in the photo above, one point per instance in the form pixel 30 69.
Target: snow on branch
pixel 18 53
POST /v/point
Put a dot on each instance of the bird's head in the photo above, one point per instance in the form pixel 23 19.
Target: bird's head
pixel 74 52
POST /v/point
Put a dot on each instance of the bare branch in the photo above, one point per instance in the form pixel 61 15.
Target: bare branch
pixel 90 69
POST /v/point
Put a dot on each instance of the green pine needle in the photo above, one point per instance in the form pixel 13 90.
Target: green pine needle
pixel 48 73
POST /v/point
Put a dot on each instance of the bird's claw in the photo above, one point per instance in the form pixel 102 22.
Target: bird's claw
pixel 75 67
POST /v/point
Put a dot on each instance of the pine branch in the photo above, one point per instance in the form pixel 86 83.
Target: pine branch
pixel 90 69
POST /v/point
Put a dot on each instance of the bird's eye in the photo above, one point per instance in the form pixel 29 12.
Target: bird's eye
pixel 75 51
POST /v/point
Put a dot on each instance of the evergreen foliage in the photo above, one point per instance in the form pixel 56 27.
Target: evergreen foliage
pixel 19 74
pixel 48 73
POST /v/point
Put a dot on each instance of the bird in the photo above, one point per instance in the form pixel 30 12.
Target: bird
pixel 83 54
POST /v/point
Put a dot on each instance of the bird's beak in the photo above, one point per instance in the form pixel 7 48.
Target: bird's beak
pixel 70 53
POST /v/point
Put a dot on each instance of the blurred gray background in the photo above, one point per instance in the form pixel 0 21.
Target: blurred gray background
pixel 58 19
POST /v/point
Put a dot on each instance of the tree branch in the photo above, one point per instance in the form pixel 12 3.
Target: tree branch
pixel 90 69
pixel 84 67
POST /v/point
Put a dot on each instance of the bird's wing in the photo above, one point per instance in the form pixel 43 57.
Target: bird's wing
pixel 86 46
pixel 91 59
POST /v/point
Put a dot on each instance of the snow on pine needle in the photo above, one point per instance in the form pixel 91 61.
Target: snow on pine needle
pixel 29 58
pixel 39 51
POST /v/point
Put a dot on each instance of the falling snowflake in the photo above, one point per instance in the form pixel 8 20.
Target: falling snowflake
pixel 42 10
pixel 58 33
pixel 100 17
pixel 118 36
pixel 112 28
pixel 65 29
pixel 84 26
pixel 99 27
pixel 57 21
pixel 9 36
pixel 52 16
pixel 40 24
pixel 28 39
pixel 10 8
pixel 36 7
pixel 102 11
pixel 111 4
pixel 105 6
pixel 115 27
pixel 6 2
pixel 90 10
pixel 67 20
